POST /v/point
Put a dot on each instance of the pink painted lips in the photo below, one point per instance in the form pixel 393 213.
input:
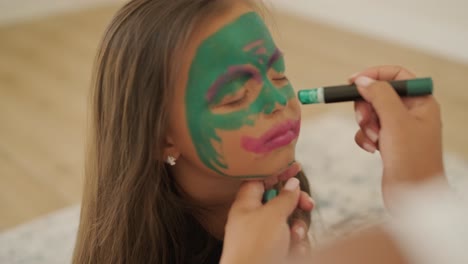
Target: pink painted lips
pixel 277 137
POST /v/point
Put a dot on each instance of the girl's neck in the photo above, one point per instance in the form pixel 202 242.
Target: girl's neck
pixel 213 195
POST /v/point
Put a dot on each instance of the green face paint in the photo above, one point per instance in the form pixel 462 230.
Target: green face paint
pixel 241 51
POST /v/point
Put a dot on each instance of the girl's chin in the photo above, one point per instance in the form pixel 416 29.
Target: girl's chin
pixel 267 169
pixel 270 182
pixel 285 174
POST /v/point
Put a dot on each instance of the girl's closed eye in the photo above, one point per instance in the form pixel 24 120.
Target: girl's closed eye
pixel 280 79
pixel 234 92
pixel 237 99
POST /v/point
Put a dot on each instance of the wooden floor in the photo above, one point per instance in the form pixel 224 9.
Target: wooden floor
pixel 45 69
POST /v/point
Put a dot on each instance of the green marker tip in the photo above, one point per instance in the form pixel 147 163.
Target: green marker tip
pixel 308 96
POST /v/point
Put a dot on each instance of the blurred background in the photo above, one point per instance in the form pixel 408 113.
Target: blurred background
pixel 47 49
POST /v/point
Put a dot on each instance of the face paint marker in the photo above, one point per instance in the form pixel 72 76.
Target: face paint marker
pixel 269 195
pixel 346 93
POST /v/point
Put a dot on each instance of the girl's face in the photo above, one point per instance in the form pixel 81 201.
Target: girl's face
pixel 235 113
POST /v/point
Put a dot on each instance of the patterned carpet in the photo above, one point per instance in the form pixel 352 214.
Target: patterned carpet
pixel 345 181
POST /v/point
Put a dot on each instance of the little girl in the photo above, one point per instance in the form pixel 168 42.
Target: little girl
pixel 190 99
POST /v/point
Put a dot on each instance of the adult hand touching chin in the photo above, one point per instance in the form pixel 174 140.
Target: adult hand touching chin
pixel 259 233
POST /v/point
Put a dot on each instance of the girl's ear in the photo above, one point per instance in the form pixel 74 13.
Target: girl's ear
pixel 171 152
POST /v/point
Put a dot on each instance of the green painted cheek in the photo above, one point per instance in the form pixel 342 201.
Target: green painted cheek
pixel 202 134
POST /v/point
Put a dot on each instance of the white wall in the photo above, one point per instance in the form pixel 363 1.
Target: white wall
pixel 19 10
pixel 437 26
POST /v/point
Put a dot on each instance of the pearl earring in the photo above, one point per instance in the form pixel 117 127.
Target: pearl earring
pixel 171 160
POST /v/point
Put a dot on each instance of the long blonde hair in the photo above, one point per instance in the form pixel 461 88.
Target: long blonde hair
pixel 131 210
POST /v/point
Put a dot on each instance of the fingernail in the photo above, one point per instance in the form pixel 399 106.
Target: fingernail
pixel 363 81
pixel 372 135
pixel 300 232
pixel 291 184
pixel 358 117
pixel 369 148
pixel 312 201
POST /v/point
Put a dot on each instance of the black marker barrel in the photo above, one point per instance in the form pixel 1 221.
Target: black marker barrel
pixel 346 93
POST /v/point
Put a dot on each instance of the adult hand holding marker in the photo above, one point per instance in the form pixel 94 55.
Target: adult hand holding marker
pixel 406 130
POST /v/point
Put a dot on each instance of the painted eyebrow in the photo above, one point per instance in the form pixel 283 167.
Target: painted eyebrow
pixel 274 58
pixel 253 45
pixel 232 73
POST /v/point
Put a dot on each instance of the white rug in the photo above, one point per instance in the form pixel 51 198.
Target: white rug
pixel 345 181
